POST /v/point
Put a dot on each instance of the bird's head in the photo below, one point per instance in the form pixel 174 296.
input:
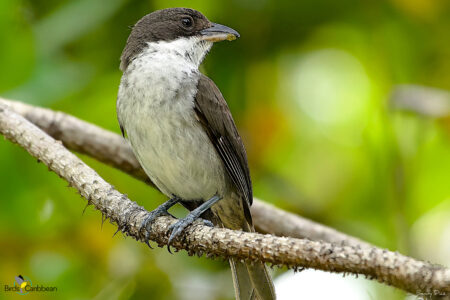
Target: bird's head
pixel 182 26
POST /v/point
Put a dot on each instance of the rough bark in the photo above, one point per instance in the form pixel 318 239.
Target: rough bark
pixel 112 149
pixel 388 267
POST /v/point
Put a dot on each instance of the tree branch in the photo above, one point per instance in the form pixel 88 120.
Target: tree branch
pixel 269 219
pixel 110 148
pixel 385 266
pixel 426 101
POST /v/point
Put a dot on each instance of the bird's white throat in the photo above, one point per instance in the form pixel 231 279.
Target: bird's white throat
pixel 163 72
pixel 192 49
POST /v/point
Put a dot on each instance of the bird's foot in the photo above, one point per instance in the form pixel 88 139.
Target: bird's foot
pixel 176 228
pixel 158 212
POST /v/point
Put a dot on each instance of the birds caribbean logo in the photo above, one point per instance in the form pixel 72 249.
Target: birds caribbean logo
pixel 22 283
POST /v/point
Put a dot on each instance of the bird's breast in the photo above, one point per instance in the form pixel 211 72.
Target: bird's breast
pixel 155 106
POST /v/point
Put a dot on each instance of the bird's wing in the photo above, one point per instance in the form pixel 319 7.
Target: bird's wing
pixel 19 279
pixel 213 112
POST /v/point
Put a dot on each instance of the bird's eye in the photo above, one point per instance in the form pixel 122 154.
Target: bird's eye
pixel 187 22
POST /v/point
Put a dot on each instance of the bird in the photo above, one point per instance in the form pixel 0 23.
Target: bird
pixel 183 134
pixel 22 283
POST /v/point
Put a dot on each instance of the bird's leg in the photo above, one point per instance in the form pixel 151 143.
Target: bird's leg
pixel 180 225
pixel 159 211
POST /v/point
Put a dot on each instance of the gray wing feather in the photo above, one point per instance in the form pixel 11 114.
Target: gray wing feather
pixel 213 112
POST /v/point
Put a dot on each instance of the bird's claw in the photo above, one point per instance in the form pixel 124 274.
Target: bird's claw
pixel 148 220
pixel 177 228
pixel 151 217
pixel 158 212
pixel 207 223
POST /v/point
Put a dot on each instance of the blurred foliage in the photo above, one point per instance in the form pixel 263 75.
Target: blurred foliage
pixel 308 84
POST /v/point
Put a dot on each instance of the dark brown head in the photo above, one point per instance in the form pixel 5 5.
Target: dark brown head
pixel 171 24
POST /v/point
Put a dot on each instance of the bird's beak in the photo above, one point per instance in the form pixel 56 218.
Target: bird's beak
pixel 217 33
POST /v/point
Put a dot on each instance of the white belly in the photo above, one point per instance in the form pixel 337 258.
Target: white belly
pixel 155 107
pixel 178 157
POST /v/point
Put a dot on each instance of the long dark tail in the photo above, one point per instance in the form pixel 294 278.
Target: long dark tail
pixel 251 281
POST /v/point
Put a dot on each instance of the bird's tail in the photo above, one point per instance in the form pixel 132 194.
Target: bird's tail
pixel 251 281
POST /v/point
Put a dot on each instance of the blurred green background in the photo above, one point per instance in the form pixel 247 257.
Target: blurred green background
pixel 308 83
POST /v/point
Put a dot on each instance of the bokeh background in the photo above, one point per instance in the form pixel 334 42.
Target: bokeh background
pixel 310 85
